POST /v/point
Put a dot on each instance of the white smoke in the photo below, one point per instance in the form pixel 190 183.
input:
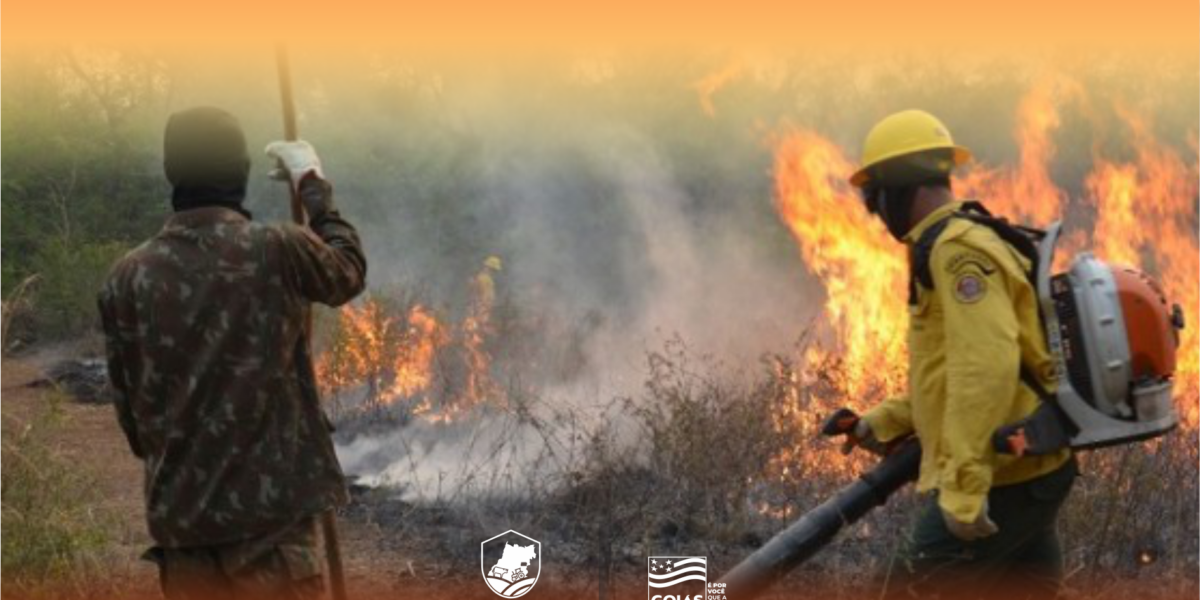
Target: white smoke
pixel 599 232
pixel 654 269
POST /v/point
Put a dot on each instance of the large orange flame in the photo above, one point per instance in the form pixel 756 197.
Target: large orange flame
pixel 861 268
pixel 860 348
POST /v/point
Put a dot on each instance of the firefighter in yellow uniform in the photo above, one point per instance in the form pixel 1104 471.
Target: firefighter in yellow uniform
pixel 484 285
pixel 978 360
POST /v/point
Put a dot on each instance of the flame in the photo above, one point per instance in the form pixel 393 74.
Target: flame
pixel 860 266
pixel 359 352
pixel 395 358
pixel 1027 194
pixel 863 272
pixel 371 350
pixel 710 84
pixel 476 329
pixel 414 364
pixel 1146 217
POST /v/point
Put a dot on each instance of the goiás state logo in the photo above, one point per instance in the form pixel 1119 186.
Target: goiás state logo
pixel 511 563
pixel 676 577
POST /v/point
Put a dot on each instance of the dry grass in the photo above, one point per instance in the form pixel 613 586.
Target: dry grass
pixel 55 537
pixel 700 463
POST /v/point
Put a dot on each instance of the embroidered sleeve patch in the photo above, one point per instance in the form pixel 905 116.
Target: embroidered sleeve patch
pixel 969 288
pixel 968 259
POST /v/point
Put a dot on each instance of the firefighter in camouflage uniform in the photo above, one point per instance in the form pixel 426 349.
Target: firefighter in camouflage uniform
pixel 204 325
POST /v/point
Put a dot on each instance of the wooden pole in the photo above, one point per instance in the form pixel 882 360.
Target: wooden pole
pixel 291 132
pixel 329 529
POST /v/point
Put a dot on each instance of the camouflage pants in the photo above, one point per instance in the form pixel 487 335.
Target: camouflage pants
pixel 1022 561
pixel 283 566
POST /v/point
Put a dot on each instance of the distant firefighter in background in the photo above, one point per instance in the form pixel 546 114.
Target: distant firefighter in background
pixel 477 329
pixel 484 285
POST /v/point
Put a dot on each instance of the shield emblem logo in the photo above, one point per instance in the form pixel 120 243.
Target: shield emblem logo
pixel 510 563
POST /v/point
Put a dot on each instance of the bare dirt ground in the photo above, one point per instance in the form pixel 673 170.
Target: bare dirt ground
pixel 88 436
pixel 378 562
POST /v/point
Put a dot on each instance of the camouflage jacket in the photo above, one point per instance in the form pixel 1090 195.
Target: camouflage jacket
pixel 215 391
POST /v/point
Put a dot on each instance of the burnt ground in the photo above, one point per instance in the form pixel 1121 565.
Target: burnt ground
pixel 397 549
pixel 391 548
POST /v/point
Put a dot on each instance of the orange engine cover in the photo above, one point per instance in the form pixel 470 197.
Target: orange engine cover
pixel 1152 337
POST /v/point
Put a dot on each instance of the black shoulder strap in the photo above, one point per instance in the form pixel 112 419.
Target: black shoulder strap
pixel 1022 239
pixel 922 251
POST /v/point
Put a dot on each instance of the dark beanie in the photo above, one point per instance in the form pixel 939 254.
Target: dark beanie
pixel 205 159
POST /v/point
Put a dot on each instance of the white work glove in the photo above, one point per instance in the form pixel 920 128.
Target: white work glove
pixel 863 436
pixel 296 161
pixel 981 528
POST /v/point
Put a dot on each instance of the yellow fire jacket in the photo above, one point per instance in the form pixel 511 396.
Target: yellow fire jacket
pixel 967 340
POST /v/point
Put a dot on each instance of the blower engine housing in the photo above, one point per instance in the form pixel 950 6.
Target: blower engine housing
pixel 1114 337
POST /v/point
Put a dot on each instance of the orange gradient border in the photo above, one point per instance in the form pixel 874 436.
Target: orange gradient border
pixel 953 26
pixel 627 587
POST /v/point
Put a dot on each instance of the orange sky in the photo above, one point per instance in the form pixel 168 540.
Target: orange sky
pixel 1005 25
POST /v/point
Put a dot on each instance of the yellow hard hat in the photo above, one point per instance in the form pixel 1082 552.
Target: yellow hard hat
pixel 493 262
pixel 903 133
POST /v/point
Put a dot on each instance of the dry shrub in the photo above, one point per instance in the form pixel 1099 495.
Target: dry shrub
pixel 715 473
pixel 711 460
pixel 707 439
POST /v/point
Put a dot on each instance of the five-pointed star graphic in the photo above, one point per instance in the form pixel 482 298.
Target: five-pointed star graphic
pixel 667 565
